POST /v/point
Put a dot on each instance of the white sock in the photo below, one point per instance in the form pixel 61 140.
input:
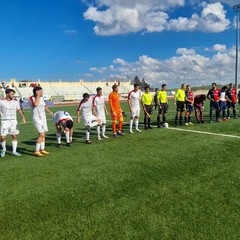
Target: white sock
pixel 58 138
pixel 3 144
pixel 103 129
pixel 42 145
pixel 14 146
pixel 87 135
pixel 67 137
pixel 131 124
pixel 38 145
pixel 136 123
pixel 98 130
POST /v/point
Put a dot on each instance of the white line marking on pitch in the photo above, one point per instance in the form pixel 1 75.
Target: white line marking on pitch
pixel 200 132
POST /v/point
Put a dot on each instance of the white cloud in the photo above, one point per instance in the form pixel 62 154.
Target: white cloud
pixel 114 17
pixel 219 47
pixel 186 66
pixel 185 51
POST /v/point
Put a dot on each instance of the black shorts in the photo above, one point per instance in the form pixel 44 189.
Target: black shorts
pixel 231 105
pixel 163 108
pixel 180 106
pixel 148 109
pixel 189 108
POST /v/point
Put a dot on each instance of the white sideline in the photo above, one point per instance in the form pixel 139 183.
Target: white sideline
pixel 207 133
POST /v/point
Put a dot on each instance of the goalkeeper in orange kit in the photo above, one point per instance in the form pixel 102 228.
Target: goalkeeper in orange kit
pixel 116 111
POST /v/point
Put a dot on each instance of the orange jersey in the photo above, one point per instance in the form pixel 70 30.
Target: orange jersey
pixel 114 102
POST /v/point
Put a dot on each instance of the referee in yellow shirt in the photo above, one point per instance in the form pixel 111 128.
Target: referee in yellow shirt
pixel 179 101
pixel 147 103
pixel 162 104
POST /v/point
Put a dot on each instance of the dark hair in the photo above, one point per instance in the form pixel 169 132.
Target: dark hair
pixel 114 86
pixel 8 90
pixel 224 88
pixel 164 85
pixel 187 86
pixel 69 124
pixel 85 95
pixel 214 83
pixel 36 89
pixel 146 87
pixel 136 85
pixel 98 89
pixel 203 96
pixel 230 84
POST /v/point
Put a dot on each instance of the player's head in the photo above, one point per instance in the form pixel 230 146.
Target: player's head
pixel 188 87
pixel 147 88
pixel 183 86
pixel 69 124
pixel 156 90
pixel 86 96
pixel 99 91
pixel 136 86
pixel 9 93
pixel 36 89
pixel 115 87
pixel 164 87
pixel 224 88
pixel 203 97
pixel 214 85
pixel 230 85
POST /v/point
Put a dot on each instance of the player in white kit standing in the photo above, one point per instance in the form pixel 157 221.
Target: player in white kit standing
pixel 39 110
pixel 62 119
pixel 134 106
pixel 8 111
pixel 86 106
pixel 99 109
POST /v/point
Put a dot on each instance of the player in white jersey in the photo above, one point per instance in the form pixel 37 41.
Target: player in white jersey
pixel 39 110
pixel 99 109
pixel 89 119
pixel 134 106
pixel 62 119
pixel 8 112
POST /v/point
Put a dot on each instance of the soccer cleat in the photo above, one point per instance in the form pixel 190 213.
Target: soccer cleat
pixel 59 145
pixel 37 154
pixel 68 145
pixel 44 152
pixel 186 124
pixel 211 121
pixel 104 136
pixel 190 123
pixel 219 120
pixel 17 154
pixel 120 133
pixel 3 153
pixel 131 131
pixel 138 130
pixel 115 135
pixel 149 127
pixel 228 117
pixel 202 122
pixel 88 142
pixel 99 138
pixel 88 128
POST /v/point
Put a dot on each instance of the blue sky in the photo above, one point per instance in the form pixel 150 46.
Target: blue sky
pixel 161 41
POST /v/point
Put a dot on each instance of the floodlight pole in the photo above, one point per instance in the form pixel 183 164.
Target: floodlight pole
pixel 237 9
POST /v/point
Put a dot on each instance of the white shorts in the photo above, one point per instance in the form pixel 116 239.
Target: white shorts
pixel 135 112
pixel 9 127
pixel 102 117
pixel 40 125
pixel 88 121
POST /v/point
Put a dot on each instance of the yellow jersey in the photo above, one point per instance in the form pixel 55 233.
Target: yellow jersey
pixel 162 95
pixel 147 99
pixel 180 95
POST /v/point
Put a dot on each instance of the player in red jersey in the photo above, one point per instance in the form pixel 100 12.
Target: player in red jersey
pixel 232 100
pixel 198 106
pixel 213 96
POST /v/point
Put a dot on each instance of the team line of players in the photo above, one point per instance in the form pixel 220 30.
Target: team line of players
pixel 93 112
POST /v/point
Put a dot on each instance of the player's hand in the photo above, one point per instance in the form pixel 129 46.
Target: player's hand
pixel 78 120
pixel 130 109
pixel 24 120
pixel 174 104
pixel 114 114
pixel 51 113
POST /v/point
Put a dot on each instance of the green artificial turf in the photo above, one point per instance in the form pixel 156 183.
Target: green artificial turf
pixel 158 184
